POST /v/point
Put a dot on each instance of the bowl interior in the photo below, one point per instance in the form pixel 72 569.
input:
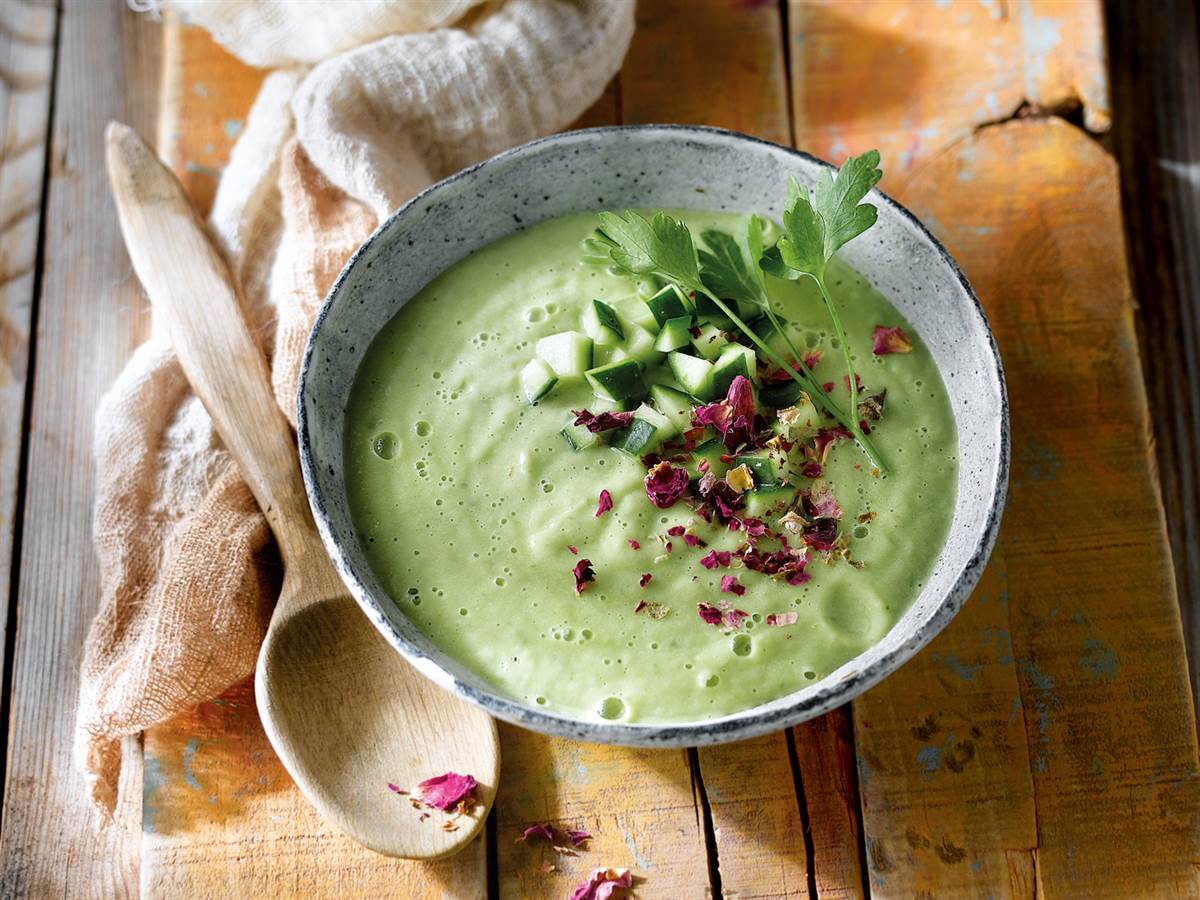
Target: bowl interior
pixel 654 166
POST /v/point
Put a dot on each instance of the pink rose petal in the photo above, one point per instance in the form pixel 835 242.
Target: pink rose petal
pixel 605 504
pixel 602 884
pixel 730 585
pixel 781 619
pixel 891 340
pixel 445 791
pixel 584 575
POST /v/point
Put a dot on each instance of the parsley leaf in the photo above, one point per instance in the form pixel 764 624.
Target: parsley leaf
pixel 729 267
pixel 816 227
pixel 661 246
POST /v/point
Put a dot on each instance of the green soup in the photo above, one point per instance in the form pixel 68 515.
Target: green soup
pixel 467 500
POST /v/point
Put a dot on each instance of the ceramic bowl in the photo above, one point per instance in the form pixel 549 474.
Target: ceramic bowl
pixel 673 167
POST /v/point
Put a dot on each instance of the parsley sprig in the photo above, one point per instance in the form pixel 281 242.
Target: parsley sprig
pixel 732 267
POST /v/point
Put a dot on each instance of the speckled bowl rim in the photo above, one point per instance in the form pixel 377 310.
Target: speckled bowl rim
pixel 824 695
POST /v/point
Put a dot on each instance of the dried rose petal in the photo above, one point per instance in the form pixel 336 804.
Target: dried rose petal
pixel 781 619
pixel 715 558
pixel 602 884
pixel 730 585
pixel 812 470
pixel 644 580
pixel 891 340
pixel 735 617
pixel 576 837
pixel 446 791
pixel 812 357
pixel 676 531
pixel 709 613
pixel 665 484
pixel 584 574
pixel 872 407
pixel 717 415
pixel 819 503
pixel 634 544
pixel 858 382
pixel 827 386
pixel 605 504
pixel 605 421
pixel 692 540
pixel 754 527
pixel 395 789
pixel 821 534
pixel 537 830
pixel 827 437
pixel 740 479
pixel 574 550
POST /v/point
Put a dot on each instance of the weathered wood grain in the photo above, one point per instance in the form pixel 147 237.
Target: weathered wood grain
pixel 639 805
pixel 910 78
pixel 90 318
pixel 221 818
pixel 27 33
pixel 825 756
pixel 707 62
pixel 1087 598
pixel 1155 54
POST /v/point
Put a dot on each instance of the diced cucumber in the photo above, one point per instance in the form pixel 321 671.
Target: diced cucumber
pixel 569 353
pixel 780 394
pixel 578 437
pixel 618 381
pixel 769 501
pixel 675 333
pixel 664 427
pixel 693 374
pixel 634 311
pixel 668 303
pixel 762 466
pixel 710 342
pixel 537 380
pixel 734 360
pixel 637 439
pixel 800 421
pixel 601 323
pixel 639 344
pixel 711 452
pixel 675 405
pixel 602 355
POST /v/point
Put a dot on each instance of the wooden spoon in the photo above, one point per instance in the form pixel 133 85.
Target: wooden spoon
pixel 345 713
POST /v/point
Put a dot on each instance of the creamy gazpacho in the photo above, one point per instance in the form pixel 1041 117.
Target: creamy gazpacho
pixel 655 467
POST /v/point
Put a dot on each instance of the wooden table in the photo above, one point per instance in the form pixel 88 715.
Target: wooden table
pixel 1043 746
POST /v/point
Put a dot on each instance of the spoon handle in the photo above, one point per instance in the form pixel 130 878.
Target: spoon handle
pixel 193 295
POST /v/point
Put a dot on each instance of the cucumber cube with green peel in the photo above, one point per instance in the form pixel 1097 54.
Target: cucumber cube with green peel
pixel 639 344
pixel 799 421
pixel 711 452
pixel 708 311
pixel 603 354
pixel 602 324
pixel 569 353
pixel 675 405
pixel 693 374
pixel 537 380
pixel 675 333
pixel 668 303
pixel 618 381
pixel 637 439
pixel 768 501
pixel 634 311
pixel 710 342
pixel 734 360
pixel 578 437
pixel 664 427
pixel 763 466
pixel 780 394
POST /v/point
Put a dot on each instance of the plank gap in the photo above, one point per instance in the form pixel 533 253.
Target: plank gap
pixel 39 265
pixel 810 852
pixel 710 835
pixel 491 857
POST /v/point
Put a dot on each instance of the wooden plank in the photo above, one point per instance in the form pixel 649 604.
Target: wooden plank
pixel 1155 52
pixel 707 62
pixel 911 78
pixel 1092 608
pixel 27 33
pixel 90 318
pixel 825 756
pixel 639 805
